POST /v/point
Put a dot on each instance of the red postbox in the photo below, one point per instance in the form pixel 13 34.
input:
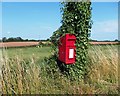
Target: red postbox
pixel 67 48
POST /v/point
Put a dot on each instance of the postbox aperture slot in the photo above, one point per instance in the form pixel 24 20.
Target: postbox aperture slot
pixel 71 39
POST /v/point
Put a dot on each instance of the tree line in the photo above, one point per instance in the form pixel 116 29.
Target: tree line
pixel 18 39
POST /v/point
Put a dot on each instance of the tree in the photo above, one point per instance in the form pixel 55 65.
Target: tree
pixel 4 39
pixel 76 19
pixel 19 39
pixel 116 40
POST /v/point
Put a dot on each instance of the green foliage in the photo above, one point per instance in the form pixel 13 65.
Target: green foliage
pixel 76 19
pixel 11 39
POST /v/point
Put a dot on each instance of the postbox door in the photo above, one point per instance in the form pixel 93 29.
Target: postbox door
pixel 67 49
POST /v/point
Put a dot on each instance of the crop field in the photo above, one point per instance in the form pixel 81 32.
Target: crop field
pixel 24 71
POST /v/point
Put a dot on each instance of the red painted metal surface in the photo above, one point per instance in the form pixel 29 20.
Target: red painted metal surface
pixel 67 48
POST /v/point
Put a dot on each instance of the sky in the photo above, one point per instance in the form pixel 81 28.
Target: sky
pixel 38 20
pixel 105 21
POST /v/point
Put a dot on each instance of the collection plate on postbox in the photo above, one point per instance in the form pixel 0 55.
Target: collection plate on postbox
pixel 66 49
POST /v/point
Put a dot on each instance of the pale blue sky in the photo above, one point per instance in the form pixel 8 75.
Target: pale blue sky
pixel 105 21
pixel 38 20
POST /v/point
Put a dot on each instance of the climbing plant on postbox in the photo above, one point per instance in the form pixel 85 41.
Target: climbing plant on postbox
pixel 76 19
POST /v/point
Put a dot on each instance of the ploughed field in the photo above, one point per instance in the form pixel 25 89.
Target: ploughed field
pixel 25 71
pixel 20 44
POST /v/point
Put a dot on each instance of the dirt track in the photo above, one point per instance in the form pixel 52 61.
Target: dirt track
pixel 20 44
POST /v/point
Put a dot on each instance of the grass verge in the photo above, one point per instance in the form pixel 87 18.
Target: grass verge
pixel 24 71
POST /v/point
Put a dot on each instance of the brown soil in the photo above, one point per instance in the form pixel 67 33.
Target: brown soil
pixel 20 44
pixel 103 43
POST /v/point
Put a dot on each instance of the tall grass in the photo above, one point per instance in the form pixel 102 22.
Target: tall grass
pixel 0 72
pixel 28 76
pixel 104 68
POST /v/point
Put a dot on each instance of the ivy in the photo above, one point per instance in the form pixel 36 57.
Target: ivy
pixel 76 19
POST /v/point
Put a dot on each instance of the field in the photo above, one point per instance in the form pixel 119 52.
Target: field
pixel 18 44
pixel 24 71
pixel 21 44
